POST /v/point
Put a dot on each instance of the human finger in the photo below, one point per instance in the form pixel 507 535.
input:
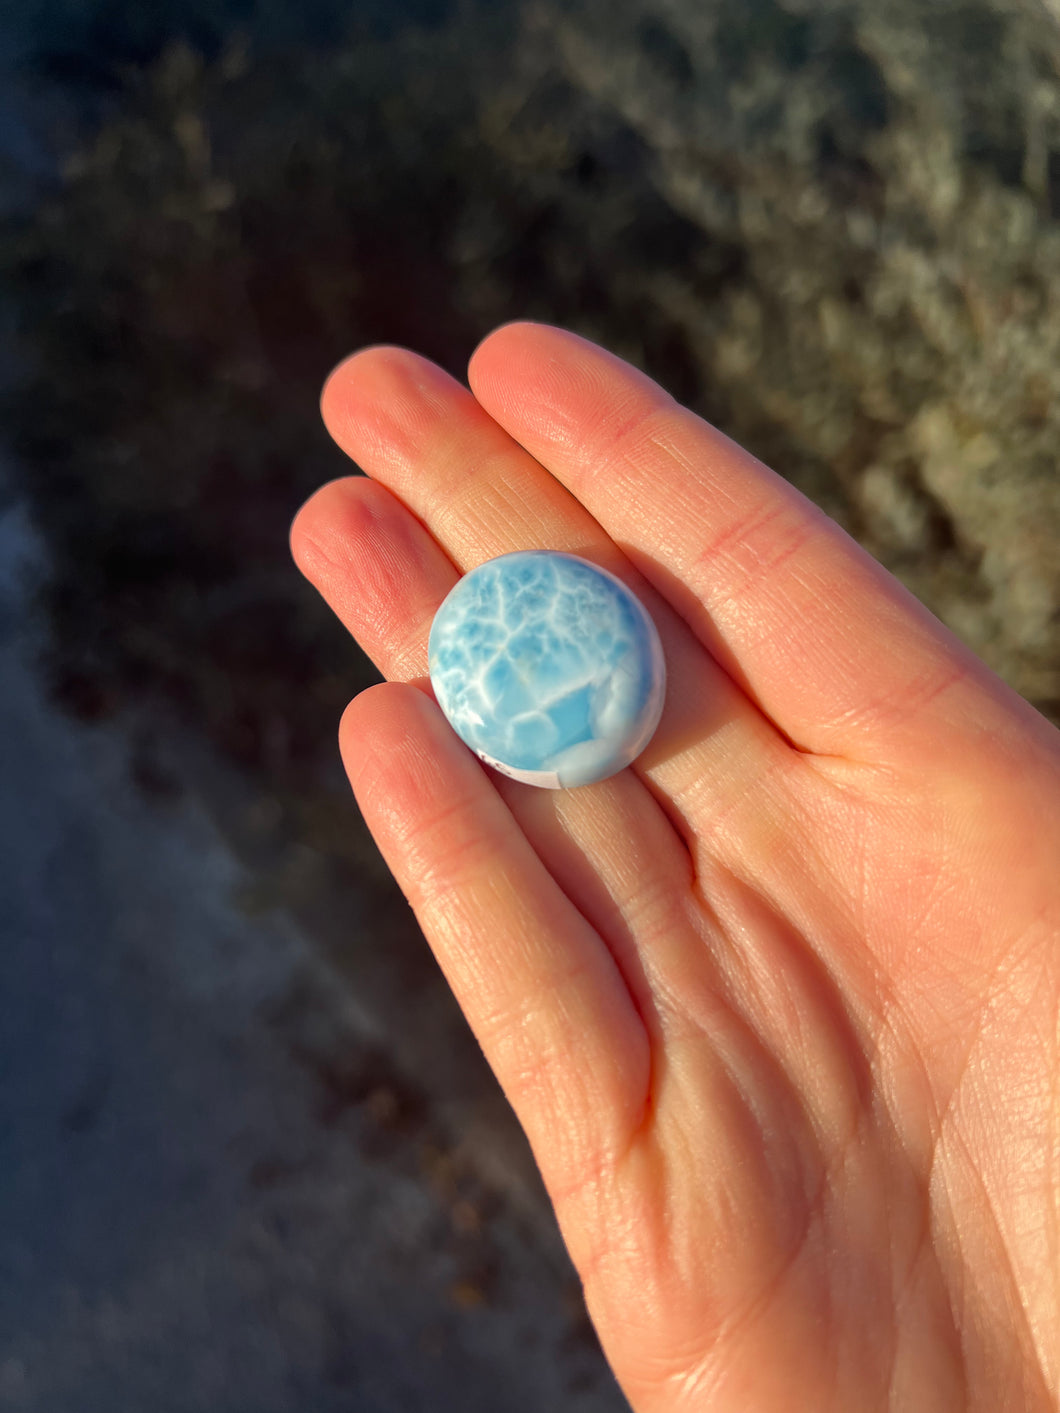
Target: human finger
pixel 828 644
pixel 377 566
pixel 538 986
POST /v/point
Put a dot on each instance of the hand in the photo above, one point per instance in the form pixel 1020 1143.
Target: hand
pixel 778 1005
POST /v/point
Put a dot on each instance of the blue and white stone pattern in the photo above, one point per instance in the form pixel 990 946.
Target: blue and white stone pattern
pixel 548 667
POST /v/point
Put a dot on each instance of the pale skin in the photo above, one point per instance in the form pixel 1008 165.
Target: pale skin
pixel 777 1006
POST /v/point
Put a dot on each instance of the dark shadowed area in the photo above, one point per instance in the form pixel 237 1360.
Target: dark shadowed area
pixel 249 1156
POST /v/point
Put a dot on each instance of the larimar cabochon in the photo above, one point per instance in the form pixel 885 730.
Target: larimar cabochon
pixel 548 667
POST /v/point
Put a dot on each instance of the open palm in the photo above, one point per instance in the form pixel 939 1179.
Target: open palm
pixel 778 1005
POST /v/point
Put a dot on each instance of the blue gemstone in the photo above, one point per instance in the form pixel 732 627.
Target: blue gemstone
pixel 548 667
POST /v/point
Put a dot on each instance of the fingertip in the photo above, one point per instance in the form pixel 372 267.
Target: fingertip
pixel 377 404
pixel 329 518
pixel 501 345
pixel 380 704
pixel 536 341
pixel 537 380
pixel 359 710
pixel 313 510
pixel 386 698
pixel 405 764
pixel 338 386
pixel 333 392
pixel 348 366
pixel 385 718
pixel 513 328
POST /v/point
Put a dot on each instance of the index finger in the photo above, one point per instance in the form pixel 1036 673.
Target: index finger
pixel 830 646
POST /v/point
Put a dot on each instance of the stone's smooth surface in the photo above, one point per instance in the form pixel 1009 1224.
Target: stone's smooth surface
pixel 548 667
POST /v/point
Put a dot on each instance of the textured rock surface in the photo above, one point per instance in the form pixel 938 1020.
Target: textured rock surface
pixel 548 668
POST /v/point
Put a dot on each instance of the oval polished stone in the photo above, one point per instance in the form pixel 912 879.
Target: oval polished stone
pixel 548 667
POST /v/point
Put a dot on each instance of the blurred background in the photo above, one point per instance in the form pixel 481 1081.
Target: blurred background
pixel 250 1158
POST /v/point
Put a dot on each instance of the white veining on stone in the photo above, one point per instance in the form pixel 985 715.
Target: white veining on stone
pixel 548 667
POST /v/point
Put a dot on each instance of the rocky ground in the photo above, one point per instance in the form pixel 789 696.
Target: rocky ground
pixel 832 226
